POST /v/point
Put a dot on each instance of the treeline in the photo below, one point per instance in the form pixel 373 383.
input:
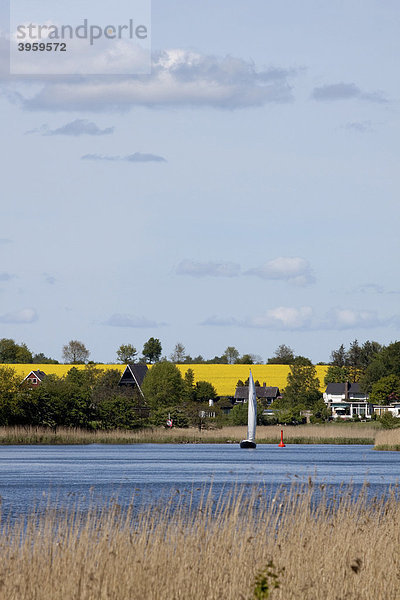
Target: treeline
pixel 376 368
pixel 92 398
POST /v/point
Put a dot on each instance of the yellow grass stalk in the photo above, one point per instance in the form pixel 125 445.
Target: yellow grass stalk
pixel 239 546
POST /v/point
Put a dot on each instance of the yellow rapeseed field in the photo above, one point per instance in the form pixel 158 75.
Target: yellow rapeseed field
pixel 225 377
pixel 222 377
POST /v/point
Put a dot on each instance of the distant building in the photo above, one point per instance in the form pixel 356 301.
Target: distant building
pixel 263 392
pixel 35 378
pixel 133 376
pixel 394 409
pixel 347 400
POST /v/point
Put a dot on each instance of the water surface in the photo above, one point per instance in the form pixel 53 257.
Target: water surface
pixel 30 475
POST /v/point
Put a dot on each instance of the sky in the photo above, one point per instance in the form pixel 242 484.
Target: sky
pixel 244 193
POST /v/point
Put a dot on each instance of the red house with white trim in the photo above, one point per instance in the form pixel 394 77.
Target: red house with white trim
pixel 35 378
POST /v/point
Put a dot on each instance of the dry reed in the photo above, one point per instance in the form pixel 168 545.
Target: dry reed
pixel 347 433
pixel 387 439
pixel 337 549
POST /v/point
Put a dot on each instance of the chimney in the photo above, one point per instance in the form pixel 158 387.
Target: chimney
pixel 346 390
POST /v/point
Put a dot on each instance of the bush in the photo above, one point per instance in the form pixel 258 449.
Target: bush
pixel 388 421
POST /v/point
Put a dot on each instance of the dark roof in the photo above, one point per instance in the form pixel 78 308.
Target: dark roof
pixel 337 389
pixel 133 375
pixel 38 374
pixel 242 392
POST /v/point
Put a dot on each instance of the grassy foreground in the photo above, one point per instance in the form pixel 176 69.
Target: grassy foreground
pixel 256 547
pixel 346 433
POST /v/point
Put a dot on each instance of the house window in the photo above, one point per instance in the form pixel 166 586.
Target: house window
pixel 33 380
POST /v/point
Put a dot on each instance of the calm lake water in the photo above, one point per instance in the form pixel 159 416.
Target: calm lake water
pixel 34 475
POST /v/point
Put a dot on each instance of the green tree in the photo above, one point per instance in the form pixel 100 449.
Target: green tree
pixel 9 389
pixel 13 353
pixel 238 415
pixel 354 361
pixel 126 353
pixel 204 391
pixel 386 362
pixel 369 351
pixel 188 381
pixel 163 386
pixel 386 390
pixel 231 355
pixel 246 359
pixel 152 350
pixel 41 359
pixel 75 352
pixel 302 388
pixel 283 355
pixel 336 374
pixel 339 357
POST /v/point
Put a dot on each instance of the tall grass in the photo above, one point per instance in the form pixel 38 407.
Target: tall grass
pixel 286 547
pixel 387 439
pixel 348 433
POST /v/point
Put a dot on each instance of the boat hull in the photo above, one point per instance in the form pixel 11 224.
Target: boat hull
pixel 248 444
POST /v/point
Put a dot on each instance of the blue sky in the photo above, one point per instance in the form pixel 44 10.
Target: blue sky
pixel 245 193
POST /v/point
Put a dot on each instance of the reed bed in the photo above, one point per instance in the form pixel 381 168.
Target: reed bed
pixel 239 546
pixel 346 433
pixel 387 439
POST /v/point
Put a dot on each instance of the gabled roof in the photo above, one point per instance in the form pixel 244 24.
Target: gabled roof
pixel 38 374
pixel 242 392
pixel 338 389
pixel 134 375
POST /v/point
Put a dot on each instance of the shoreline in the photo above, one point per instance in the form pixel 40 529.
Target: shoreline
pixel 337 434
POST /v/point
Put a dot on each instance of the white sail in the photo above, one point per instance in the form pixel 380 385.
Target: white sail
pixel 252 411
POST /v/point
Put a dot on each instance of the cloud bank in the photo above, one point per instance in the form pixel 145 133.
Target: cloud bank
pixel 294 270
pixel 285 318
pixel 179 78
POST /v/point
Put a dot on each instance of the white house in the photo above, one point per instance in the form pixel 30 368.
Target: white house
pixel 347 400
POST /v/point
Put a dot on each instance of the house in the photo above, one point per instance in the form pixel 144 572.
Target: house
pixel 268 394
pixel 347 400
pixel 394 409
pixel 35 378
pixel 133 376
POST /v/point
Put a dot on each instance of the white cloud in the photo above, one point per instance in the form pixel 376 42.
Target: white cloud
pixel 359 126
pixel 284 317
pixel 215 321
pixel 178 78
pixel 208 269
pixel 74 128
pixel 347 318
pixel 292 269
pixel 280 318
pixel 132 158
pixel 25 315
pixel 345 91
pixel 118 320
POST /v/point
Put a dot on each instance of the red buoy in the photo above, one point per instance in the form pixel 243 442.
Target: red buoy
pixel 281 445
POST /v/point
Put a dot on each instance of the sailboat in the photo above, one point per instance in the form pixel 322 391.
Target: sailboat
pixel 250 442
